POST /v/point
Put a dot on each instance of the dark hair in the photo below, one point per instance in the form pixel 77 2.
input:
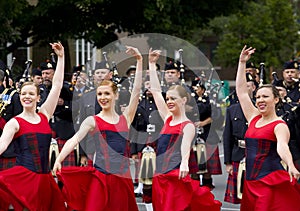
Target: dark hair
pixel 28 83
pixel 109 83
pixel 274 91
pixel 181 91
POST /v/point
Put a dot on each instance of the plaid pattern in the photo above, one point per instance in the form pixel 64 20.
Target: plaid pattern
pixel 213 162
pixel 263 148
pixel 147 193
pixel 231 189
pixel 70 160
pixel 169 152
pixel 193 165
pixel 34 150
pixel 6 163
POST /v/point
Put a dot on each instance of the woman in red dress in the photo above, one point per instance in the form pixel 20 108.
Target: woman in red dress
pixel 173 189
pixel 267 185
pixel 30 185
pixel 107 185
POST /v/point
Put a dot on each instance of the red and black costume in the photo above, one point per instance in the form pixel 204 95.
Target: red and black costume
pixel 30 184
pixel 170 193
pixel 267 185
pixel 107 185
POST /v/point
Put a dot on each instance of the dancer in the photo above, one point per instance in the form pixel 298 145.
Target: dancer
pixel 30 185
pixel 107 185
pixel 267 185
pixel 173 189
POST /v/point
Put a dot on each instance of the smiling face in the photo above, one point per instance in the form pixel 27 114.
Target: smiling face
pixel 266 100
pixel 106 96
pixel 29 96
pixel 174 101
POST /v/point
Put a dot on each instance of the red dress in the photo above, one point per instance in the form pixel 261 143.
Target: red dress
pixel 170 193
pixel 267 185
pixel 108 185
pixel 30 184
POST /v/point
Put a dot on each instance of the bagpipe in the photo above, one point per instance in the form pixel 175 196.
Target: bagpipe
pixel 9 91
pixel 199 148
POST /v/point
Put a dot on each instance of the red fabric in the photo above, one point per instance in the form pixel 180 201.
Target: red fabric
pixel 24 188
pixel 2 123
pixel 170 193
pixel 273 192
pixel 85 188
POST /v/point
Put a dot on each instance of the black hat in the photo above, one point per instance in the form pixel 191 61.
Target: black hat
pixel 172 66
pixel 102 65
pixel 78 68
pixel 131 67
pixel 198 82
pixel 250 65
pixel 249 77
pixel 290 65
pixel 35 72
pixel 47 65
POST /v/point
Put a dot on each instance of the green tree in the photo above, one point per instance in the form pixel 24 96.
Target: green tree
pixel 98 20
pixel 268 25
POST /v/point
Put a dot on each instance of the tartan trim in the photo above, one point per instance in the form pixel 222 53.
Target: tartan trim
pixel 263 148
pixel 231 188
pixel 169 152
pixel 34 150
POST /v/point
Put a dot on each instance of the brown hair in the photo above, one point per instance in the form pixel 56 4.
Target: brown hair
pixel 181 91
pixel 109 83
pixel 275 92
pixel 30 83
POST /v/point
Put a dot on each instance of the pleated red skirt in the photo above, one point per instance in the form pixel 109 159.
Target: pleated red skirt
pixel 26 189
pixel 272 192
pixel 170 193
pixel 85 188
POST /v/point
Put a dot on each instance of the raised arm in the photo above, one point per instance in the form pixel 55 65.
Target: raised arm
pixel 87 125
pixel 49 105
pixel 155 85
pixel 130 110
pixel 248 108
pixel 9 130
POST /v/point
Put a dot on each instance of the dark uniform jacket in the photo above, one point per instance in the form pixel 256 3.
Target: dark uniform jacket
pixel 146 125
pixel 293 92
pixel 235 129
pixel 12 109
pixel 61 121
pixel 290 113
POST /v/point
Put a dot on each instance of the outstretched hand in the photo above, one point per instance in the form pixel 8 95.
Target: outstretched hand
pixel 134 52
pixel 58 49
pixel 246 53
pixel 154 55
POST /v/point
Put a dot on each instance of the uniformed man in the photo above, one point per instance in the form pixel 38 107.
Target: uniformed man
pixel 290 112
pixel 290 80
pixel 36 76
pixel 61 122
pixel 234 143
pixel 10 106
pixel 145 130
